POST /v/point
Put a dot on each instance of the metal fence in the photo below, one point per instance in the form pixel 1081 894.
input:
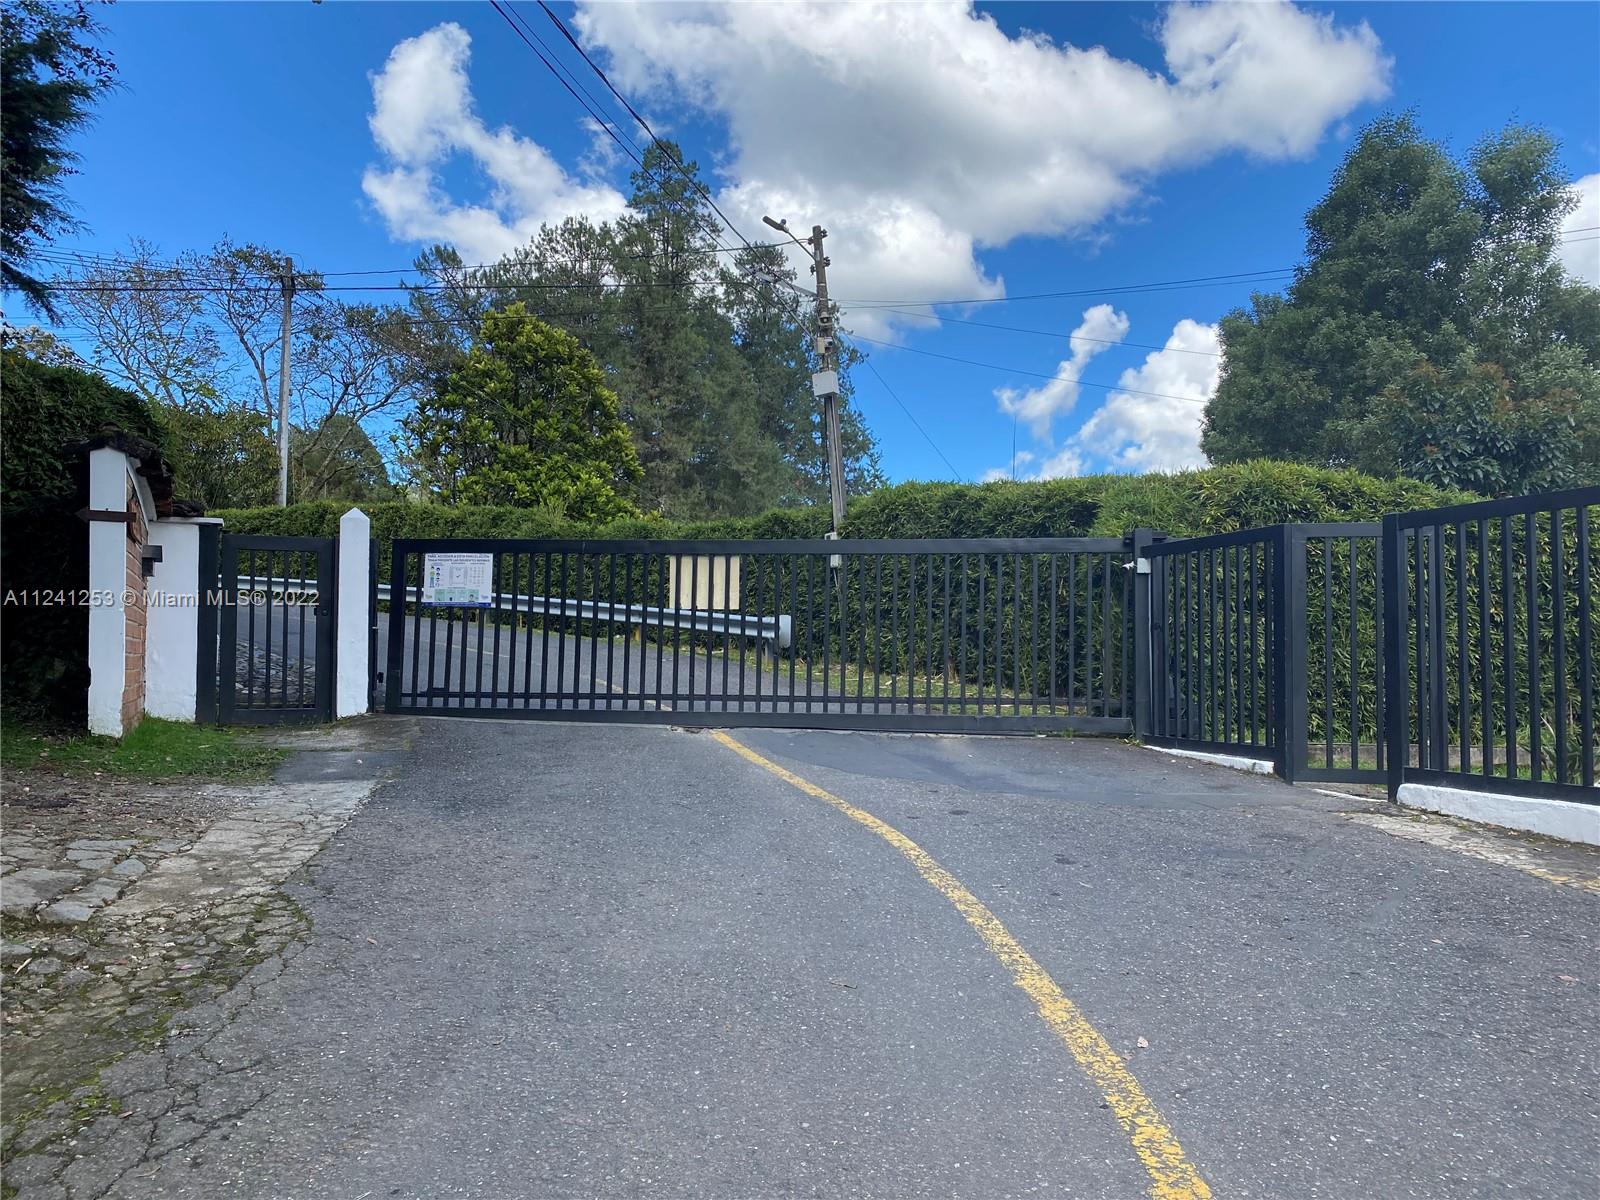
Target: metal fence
pixel 1489 644
pixel 1002 635
pixel 1454 646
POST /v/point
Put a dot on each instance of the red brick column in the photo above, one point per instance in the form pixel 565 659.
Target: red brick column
pixel 133 679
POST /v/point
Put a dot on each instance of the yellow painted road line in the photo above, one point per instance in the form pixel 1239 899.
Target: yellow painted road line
pixel 1500 849
pixel 1172 1176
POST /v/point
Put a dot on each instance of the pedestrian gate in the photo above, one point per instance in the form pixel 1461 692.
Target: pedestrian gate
pixel 275 647
pixel 989 635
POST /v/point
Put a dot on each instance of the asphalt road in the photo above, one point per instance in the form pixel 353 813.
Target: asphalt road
pixel 554 960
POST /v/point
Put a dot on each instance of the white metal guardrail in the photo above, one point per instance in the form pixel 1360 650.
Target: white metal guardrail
pixel 777 630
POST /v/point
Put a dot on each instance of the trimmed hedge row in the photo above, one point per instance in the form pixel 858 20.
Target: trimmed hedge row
pixel 44 669
pixel 1188 503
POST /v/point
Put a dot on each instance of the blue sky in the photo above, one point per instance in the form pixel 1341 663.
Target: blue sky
pixel 951 154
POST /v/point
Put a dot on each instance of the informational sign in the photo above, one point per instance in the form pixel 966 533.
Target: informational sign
pixel 463 580
pixel 707 582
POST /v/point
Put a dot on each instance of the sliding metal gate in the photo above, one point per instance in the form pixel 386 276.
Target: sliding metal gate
pixel 276 644
pixel 991 635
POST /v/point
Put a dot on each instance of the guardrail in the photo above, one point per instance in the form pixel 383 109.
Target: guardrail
pixel 778 630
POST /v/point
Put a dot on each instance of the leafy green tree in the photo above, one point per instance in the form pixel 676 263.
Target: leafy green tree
pixel 772 329
pixel 224 458
pixel 51 74
pixel 527 419
pixel 711 363
pixel 336 461
pixel 1432 331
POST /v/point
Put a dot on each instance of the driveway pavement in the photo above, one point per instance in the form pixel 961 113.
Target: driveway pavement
pixel 553 960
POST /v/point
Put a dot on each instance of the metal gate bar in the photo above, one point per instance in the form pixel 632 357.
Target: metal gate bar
pixel 893 634
pixel 276 664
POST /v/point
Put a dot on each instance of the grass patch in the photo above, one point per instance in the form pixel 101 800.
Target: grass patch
pixel 155 750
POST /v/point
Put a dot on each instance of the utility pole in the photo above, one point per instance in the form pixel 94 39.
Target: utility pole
pixel 825 382
pixel 283 384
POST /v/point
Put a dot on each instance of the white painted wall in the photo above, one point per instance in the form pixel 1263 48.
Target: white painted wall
pixel 1563 819
pixel 172 634
pixel 108 566
pixel 352 668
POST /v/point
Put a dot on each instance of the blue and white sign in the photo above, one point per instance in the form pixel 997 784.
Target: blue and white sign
pixel 461 580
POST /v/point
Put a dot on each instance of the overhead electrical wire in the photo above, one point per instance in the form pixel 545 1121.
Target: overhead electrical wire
pixel 910 416
pixel 505 12
pixel 66 257
pixel 1049 333
pixel 667 150
pixel 1058 377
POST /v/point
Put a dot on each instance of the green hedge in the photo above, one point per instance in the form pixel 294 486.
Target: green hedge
pixel 1184 504
pixel 44 667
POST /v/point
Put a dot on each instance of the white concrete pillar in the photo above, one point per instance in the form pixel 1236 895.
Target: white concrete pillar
pixel 172 634
pixel 108 581
pixel 353 670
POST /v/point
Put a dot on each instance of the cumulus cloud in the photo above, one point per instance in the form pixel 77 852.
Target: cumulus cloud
pixel 423 116
pixel 1581 258
pixel 920 134
pixel 1149 422
pixel 1152 421
pixel 1020 461
pixel 1101 328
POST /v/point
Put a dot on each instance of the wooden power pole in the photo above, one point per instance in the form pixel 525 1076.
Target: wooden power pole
pixel 283 384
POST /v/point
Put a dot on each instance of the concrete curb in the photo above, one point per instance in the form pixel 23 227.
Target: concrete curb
pixel 1236 762
pixel 1564 819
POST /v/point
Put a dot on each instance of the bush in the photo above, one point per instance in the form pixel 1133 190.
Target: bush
pixel 1186 504
pixel 44 670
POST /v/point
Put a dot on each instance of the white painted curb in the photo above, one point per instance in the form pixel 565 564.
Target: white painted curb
pixel 1256 766
pixel 1562 819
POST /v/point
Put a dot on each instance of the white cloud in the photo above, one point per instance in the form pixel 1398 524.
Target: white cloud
pixel 1067 461
pixel 920 134
pixel 1018 469
pixel 1138 431
pixel 1101 328
pixel 423 115
pixel 1582 258
pixel 1064 463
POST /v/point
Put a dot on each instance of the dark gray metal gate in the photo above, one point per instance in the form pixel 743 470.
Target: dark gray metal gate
pixel 276 645
pixel 977 635
pixel 1491 613
pixel 1266 643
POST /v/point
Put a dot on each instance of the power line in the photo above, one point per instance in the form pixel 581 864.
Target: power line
pixel 672 155
pixel 1167 285
pixel 867 362
pixel 568 73
pixel 1111 387
pixel 430 289
pixel 97 258
pixel 1049 333
pixel 628 149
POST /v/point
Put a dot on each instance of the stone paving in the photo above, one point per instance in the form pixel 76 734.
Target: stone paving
pixel 133 915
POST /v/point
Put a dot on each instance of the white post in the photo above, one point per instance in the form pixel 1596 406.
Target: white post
pixel 172 634
pixel 353 669
pixel 108 582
